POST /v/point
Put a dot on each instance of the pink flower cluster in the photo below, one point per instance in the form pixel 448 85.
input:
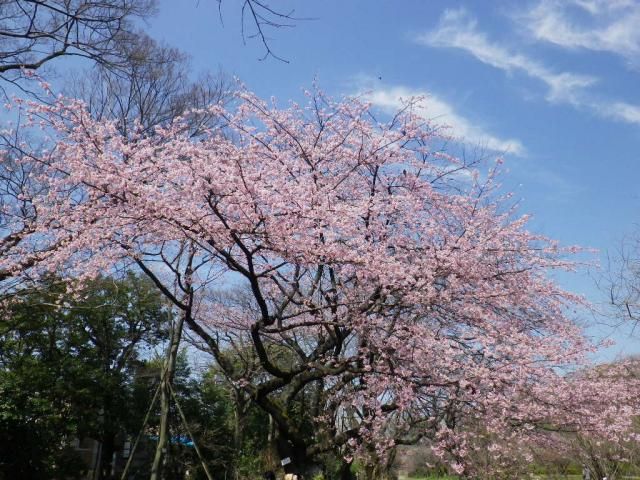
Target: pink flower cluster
pixel 346 231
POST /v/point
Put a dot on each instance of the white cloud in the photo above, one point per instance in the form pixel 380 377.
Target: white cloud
pixel 391 99
pixel 457 29
pixel 609 26
pixel 622 111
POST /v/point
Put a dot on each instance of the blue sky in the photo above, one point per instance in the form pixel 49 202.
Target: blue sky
pixel 551 85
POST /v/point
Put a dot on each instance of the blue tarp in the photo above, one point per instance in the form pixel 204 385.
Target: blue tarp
pixel 181 439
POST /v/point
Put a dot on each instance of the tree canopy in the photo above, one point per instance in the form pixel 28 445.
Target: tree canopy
pixel 67 369
pixel 383 281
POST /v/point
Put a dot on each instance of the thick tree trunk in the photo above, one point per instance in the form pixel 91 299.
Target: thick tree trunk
pixel 376 472
pixel 345 472
pixel 106 455
pixel 108 437
pixel 165 398
pixel 299 462
pixel 382 468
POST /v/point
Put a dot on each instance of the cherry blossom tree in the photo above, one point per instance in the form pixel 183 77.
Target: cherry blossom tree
pixel 387 290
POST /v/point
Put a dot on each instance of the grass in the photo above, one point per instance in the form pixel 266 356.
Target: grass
pixel 430 477
pixel 539 477
pixel 448 477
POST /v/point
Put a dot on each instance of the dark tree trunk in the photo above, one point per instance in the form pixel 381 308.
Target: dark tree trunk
pixel 345 472
pixel 381 468
pixel 299 462
pixel 108 439
pixel 106 455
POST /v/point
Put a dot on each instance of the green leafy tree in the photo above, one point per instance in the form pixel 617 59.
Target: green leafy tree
pixel 231 434
pixel 66 369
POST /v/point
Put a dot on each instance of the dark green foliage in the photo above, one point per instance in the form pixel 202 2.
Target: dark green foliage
pixel 66 365
pixel 231 433
pixel 85 366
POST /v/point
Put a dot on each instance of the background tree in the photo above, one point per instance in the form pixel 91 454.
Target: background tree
pixel 152 88
pixel 259 18
pixel 621 281
pixel 35 32
pixel 44 395
pixel 68 367
pixel 210 406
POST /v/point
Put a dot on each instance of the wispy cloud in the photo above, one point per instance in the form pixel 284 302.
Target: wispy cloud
pixel 599 25
pixel 458 29
pixel 392 98
pixel 622 111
